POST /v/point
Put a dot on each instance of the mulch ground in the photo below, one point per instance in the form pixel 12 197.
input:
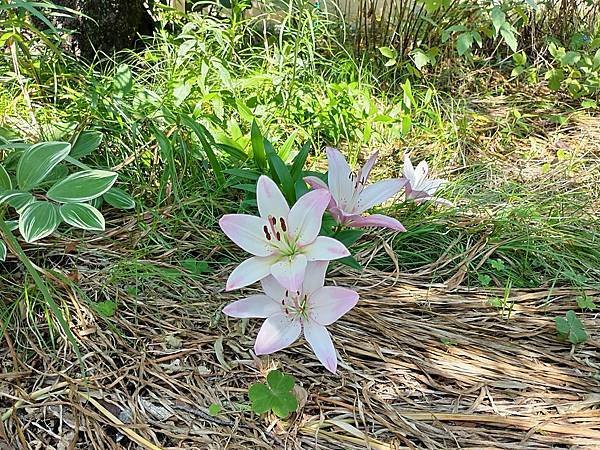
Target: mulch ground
pixel 421 366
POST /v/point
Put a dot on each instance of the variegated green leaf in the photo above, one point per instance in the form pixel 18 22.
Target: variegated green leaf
pixel 86 143
pixel 82 186
pixel 119 199
pixel 82 215
pixel 38 220
pixel 3 251
pixel 12 225
pixel 37 162
pixel 17 199
pixel 5 182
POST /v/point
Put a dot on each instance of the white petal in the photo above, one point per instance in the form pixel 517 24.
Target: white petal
pixel 376 220
pixel 260 306
pixel 273 288
pixel 289 272
pixel 278 332
pixel 306 215
pixel 315 183
pixel 325 249
pixel 409 170
pixel 314 277
pixel 377 193
pixel 338 176
pixel 366 170
pixel 431 186
pixel 247 232
pixel 330 303
pixel 270 200
pixel 319 340
pixel 249 271
pixel 421 172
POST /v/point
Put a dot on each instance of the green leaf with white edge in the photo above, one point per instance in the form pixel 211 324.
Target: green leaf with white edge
pixel 82 215
pixel 82 186
pixel 38 220
pixel 37 162
pixel 17 199
pixel 97 202
pixel 3 251
pixel 118 198
pixel 86 143
pixel 5 181
pixel 12 225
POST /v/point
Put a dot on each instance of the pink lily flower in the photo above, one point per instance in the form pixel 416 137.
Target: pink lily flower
pixel 282 240
pixel 350 195
pixel 310 309
pixel 418 187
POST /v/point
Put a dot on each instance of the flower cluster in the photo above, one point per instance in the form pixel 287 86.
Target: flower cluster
pixel 290 259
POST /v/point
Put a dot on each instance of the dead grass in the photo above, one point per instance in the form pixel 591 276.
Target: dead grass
pixel 422 366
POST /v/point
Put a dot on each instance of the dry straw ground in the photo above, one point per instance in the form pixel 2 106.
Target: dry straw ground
pixel 422 366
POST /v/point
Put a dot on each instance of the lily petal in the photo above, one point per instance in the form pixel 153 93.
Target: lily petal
pixel 247 232
pixel 314 277
pixel 269 198
pixel 315 183
pixel 421 172
pixel 260 306
pixel 319 340
pixel 377 193
pixel 366 170
pixel 377 220
pixel 330 303
pixel 431 186
pixel 338 176
pixel 249 271
pixel 276 333
pixel 272 288
pixel 306 215
pixel 409 170
pixel 289 272
pixel 325 249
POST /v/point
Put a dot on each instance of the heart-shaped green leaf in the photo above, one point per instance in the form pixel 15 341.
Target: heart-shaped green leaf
pixel 276 395
pixel 38 220
pixel 37 162
pixel 82 186
pixel 570 328
pixel 82 215
pixel 119 198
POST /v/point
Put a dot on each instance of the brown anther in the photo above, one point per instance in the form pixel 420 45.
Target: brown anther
pixel 278 236
pixel 273 220
pixel 267 235
pixel 283 225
